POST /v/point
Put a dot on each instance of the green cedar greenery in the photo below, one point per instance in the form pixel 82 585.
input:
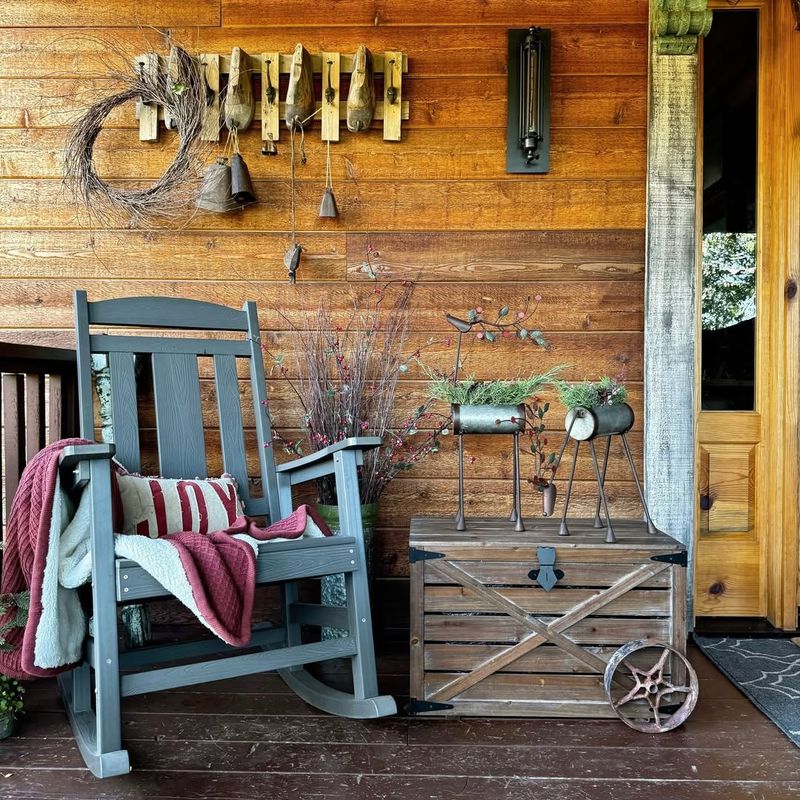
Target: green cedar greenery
pixel 588 394
pixel 496 392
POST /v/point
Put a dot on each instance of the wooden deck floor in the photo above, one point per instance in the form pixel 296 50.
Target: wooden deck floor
pixel 250 738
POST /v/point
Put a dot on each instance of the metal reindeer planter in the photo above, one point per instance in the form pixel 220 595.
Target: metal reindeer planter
pixel 491 419
pixel 584 424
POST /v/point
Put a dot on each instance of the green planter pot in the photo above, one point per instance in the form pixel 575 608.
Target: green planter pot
pixel 8 727
pixel 333 591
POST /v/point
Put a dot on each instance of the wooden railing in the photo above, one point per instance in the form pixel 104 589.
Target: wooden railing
pixel 38 398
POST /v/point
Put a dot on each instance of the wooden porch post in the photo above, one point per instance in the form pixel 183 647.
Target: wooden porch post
pixel 670 322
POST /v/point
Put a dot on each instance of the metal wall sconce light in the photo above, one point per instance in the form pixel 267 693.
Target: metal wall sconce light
pixel 528 145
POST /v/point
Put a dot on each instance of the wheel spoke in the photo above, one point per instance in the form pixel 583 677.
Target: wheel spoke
pixel 632 695
pixel 659 665
pixel 657 716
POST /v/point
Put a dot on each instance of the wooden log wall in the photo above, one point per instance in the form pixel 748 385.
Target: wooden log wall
pixel 437 205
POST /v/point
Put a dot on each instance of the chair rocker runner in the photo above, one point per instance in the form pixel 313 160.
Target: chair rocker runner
pixel 181 452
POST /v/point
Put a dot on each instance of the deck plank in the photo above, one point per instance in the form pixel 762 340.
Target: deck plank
pixel 251 738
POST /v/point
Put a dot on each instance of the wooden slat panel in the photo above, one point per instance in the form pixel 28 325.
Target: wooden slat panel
pixel 521 687
pixel 465 50
pixel 93 13
pixel 635 603
pixel 154 255
pixel 499 256
pixel 605 305
pixel 561 205
pixel 399 12
pixel 55 408
pixel 181 453
pixel 124 409
pixel 13 396
pixel 515 572
pixel 446 628
pixel 547 658
pixel 578 101
pixel 576 154
pixel 34 414
pixel 229 409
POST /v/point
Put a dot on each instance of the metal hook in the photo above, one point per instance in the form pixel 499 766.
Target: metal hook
pixel 143 80
pixel 271 91
pixel 209 90
pixel 330 92
pixel 391 92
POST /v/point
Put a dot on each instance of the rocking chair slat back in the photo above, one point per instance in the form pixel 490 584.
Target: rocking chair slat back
pixel 179 416
pixel 260 407
pixel 125 409
pixel 230 424
pixel 176 312
pixel 176 383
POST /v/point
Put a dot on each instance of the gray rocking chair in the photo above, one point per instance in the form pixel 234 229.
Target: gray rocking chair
pixel 181 452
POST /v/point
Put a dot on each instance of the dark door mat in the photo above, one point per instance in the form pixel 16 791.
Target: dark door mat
pixel 766 670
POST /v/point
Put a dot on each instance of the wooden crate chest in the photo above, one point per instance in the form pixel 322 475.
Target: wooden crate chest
pixel 488 640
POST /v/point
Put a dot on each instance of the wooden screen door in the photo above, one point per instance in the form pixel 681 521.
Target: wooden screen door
pixel 741 458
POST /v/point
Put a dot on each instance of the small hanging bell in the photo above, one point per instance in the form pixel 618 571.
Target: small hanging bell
pixel 215 191
pixel 268 147
pixel 291 261
pixel 327 208
pixel 241 187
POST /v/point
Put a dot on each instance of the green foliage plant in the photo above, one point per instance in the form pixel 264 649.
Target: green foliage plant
pixel 497 392
pixel 12 694
pixel 591 394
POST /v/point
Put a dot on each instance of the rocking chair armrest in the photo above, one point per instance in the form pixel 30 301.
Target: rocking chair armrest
pixel 317 464
pixel 74 462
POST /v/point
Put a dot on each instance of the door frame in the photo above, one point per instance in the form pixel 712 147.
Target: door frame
pixel 672 288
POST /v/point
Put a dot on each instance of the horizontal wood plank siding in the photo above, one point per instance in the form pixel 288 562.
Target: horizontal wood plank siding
pixel 437 207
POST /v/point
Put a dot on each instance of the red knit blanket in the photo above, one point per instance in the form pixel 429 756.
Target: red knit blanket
pixel 217 568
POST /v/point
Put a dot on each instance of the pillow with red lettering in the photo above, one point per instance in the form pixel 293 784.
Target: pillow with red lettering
pixel 157 506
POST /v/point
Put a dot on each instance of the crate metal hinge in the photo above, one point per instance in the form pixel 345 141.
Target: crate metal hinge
pixel 415 706
pixel 681 558
pixel 415 554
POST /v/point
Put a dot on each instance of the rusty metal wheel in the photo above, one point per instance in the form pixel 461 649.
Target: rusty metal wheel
pixel 626 681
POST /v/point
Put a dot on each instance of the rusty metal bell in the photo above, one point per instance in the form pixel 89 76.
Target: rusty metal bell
pixel 268 147
pixel 241 186
pixel 215 191
pixel 327 208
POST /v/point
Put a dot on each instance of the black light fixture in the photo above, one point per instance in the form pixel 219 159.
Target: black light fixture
pixel 528 146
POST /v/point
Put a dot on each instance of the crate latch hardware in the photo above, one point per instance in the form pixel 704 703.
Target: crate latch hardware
pixel 415 706
pixel 681 558
pixel 546 576
pixel 415 554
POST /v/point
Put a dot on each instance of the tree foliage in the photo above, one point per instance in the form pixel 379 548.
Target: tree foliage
pixel 729 279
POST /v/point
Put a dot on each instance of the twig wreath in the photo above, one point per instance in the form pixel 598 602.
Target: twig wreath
pixel 174 193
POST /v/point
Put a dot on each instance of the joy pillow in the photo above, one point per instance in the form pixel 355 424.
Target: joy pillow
pixel 157 506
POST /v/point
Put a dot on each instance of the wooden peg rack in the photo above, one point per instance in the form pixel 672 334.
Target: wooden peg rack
pixel 391 64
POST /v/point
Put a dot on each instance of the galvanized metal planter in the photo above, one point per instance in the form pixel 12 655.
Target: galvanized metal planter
pixel 488 419
pixel 583 424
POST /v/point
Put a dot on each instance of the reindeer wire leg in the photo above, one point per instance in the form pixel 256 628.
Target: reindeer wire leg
pixel 597 522
pixel 651 528
pixel 460 523
pixel 516 514
pixel 610 538
pixel 563 530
